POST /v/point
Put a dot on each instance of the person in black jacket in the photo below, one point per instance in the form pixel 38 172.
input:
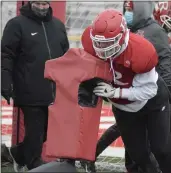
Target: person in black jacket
pixel 139 19
pixel 28 41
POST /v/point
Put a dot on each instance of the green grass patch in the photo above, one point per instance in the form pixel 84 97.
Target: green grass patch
pixel 7 168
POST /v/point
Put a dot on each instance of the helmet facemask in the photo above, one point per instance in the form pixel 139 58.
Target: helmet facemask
pixel 166 22
pixel 106 47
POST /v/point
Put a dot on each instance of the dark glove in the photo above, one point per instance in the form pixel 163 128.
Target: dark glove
pixel 7 94
pixel 6 85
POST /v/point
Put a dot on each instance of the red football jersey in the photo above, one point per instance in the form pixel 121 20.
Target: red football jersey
pixel 139 57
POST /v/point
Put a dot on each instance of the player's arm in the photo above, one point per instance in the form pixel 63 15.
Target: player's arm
pixel 144 86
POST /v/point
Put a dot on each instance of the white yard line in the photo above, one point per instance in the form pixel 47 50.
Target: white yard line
pixel 107 118
pixel 105 126
pixel 6 121
pixel 6 108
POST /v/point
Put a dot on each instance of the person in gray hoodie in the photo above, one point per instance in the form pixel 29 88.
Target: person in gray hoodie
pixel 140 20
pixel 139 17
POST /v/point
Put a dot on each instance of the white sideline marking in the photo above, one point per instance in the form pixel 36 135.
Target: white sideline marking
pixel 105 126
pixel 6 121
pixel 107 118
pixel 7 108
pixel 102 112
pixel 7 113
pixel 6 139
pixel 114 152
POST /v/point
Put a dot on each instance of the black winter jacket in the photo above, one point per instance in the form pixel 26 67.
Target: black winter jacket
pixel 27 43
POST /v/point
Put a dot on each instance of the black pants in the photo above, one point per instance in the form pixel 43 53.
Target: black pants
pixel 170 118
pixel 108 137
pixel 136 128
pixel 35 121
pixel 112 133
pixel 149 125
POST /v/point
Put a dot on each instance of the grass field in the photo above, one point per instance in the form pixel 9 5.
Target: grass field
pixel 8 168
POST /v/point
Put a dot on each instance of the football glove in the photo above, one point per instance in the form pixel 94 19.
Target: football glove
pixel 106 90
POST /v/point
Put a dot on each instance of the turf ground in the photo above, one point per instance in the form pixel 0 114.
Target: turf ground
pixel 113 161
pixel 10 169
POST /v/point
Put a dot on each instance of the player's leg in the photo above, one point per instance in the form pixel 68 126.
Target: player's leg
pixel 167 158
pixel 130 165
pixel 109 136
pixel 170 115
pixel 158 132
pixel 158 123
pixel 132 127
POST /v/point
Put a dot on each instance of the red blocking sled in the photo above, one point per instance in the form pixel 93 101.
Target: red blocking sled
pixel 73 127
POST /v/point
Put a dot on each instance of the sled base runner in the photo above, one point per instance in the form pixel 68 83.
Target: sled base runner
pixel 55 167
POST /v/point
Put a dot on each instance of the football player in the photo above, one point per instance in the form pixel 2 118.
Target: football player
pixel 138 94
pixel 139 20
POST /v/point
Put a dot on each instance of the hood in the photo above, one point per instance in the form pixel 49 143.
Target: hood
pixel 26 11
pixel 143 12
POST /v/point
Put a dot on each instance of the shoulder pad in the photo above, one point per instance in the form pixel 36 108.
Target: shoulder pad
pixel 144 57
